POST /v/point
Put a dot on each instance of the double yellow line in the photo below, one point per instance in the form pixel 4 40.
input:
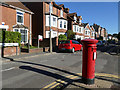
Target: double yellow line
pixel 58 82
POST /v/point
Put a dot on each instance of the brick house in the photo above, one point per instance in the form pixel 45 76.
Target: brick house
pixel 16 17
pixel 75 24
pixel 41 25
pixel 100 31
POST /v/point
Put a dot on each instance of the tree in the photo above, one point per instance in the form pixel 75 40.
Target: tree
pixel 62 37
pixel 70 35
pixel 118 36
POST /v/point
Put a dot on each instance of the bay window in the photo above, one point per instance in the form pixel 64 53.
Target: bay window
pixel 60 24
pixel 24 34
pixel 64 24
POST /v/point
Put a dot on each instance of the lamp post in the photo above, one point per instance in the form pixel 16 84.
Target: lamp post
pixel 50 8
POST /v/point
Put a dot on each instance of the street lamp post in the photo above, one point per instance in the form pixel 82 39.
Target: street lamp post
pixel 50 8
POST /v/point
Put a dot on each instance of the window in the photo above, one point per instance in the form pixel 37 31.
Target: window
pixel 60 24
pixel 16 30
pixel 19 17
pixel 64 24
pixel 74 28
pixel 24 36
pixel 61 13
pixel 79 29
pixel 54 21
pixel 86 32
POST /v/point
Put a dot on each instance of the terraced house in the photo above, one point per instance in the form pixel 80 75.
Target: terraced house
pixel 75 24
pixel 58 19
pixel 87 31
pixel 16 17
pixel 100 31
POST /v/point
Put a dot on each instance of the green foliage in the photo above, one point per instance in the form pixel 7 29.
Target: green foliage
pixel 0 36
pixel 62 37
pixel 118 36
pixel 11 37
pixel 70 35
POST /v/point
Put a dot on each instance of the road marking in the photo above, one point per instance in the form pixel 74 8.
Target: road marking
pixel 49 85
pixel 8 69
pixel 56 83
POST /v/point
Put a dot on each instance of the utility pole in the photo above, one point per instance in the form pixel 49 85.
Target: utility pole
pixel 50 8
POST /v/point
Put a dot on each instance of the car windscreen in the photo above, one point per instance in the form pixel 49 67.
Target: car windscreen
pixel 65 42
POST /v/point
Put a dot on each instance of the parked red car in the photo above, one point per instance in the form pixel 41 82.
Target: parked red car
pixel 69 45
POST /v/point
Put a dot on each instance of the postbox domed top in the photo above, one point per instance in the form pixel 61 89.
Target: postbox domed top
pixel 94 41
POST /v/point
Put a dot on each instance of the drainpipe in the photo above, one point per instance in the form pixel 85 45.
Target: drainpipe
pixel 30 29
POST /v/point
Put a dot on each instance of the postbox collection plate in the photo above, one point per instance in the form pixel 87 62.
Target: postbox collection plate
pixel 94 55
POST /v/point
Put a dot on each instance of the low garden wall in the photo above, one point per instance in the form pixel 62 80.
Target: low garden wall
pixel 10 51
pixel 35 50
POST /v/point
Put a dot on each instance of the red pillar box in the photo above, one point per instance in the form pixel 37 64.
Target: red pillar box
pixel 88 63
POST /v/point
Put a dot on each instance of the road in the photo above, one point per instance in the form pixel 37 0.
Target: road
pixel 40 70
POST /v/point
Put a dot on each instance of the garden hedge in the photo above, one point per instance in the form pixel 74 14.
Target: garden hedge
pixel 10 37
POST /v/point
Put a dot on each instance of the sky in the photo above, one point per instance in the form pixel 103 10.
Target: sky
pixel 104 14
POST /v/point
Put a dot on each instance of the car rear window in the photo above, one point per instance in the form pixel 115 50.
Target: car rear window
pixel 65 42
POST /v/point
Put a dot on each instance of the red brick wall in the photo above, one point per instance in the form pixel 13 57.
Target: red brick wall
pixel 8 16
pixel 10 51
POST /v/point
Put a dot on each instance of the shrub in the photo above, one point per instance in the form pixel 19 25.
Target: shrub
pixel 70 35
pixel 11 37
pixel 62 37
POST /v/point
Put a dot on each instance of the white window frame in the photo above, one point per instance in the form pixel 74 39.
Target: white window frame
pixel 80 30
pixel 20 32
pixel 61 24
pixel 65 24
pixel 19 15
pixel 54 22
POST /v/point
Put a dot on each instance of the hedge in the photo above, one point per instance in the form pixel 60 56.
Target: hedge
pixel 10 37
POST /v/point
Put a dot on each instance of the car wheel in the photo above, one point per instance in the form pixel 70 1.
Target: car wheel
pixel 73 50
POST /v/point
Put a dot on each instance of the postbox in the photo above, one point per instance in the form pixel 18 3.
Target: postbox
pixel 88 60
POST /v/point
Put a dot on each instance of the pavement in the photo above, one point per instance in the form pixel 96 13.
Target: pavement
pixel 75 82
